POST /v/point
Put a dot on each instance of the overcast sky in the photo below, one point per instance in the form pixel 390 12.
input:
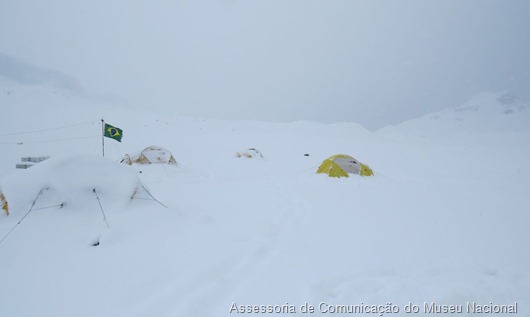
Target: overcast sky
pixel 372 62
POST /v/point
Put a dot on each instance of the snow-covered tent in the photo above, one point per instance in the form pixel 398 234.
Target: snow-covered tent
pixel 78 181
pixel 250 153
pixel 150 155
pixel 340 165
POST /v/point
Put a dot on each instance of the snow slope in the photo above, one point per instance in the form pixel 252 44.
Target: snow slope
pixel 494 115
pixel 444 220
pixel 18 71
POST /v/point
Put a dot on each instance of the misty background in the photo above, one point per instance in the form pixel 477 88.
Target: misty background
pixel 372 62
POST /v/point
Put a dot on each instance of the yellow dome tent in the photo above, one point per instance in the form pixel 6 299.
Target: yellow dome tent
pixel 340 165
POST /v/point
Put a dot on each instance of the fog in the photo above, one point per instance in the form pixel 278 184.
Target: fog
pixel 371 62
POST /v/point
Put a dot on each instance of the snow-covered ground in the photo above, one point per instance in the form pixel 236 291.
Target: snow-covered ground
pixel 444 220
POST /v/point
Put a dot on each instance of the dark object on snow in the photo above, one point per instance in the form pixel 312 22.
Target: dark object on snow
pixel 23 166
pixel 36 159
pixel 28 161
pixel 306 154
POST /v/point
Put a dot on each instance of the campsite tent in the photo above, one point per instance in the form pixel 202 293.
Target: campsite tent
pixel 76 181
pixel 340 165
pixel 250 153
pixel 150 155
pixel 78 186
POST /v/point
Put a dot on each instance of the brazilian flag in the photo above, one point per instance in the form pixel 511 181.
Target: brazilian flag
pixel 113 132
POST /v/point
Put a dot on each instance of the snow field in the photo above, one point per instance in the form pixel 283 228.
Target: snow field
pixel 445 218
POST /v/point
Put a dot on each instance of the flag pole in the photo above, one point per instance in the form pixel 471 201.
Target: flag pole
pixel 103 136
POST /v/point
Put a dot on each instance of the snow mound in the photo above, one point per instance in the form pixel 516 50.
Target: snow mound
pixel 72 181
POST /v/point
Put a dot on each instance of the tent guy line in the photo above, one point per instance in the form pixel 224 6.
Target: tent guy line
pixel 22 219
pixel 101 207
pixel 51 140
pixel 50 129
pixel 153 197
pixel 61 205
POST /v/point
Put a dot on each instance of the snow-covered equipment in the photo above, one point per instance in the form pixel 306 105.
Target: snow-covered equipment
pixel 27 162
pixel 341 165
pixel 250 153
pixel 71 181
pixel 151 155
pixel 78 183
pixel 34 159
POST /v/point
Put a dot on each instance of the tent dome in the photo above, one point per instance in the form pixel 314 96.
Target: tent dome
pixel 150 155
pixel 340 165
pixel 250 153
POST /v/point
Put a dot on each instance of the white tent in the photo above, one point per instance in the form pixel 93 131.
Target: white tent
pixel 250 153
pixel 150 155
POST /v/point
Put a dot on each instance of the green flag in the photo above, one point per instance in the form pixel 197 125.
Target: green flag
pixel 113 132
